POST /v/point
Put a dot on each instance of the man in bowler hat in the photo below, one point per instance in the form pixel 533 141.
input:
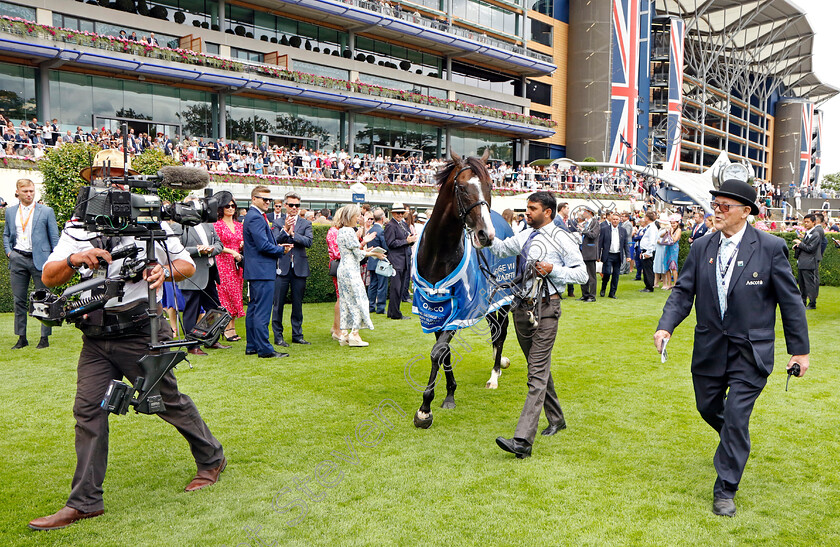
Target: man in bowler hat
pixel 737 277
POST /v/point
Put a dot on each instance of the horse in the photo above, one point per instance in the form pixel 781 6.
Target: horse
pixel 463 205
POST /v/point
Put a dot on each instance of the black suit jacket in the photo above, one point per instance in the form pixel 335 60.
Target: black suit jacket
pixel 301 237
pixel 591 234
pixel 399 250
pixel 761 281
pixel 605 241
pixel 809 251
pixel 698 231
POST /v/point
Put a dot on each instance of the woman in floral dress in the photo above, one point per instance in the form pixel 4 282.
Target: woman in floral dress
pixel 229 264
pixel 353 305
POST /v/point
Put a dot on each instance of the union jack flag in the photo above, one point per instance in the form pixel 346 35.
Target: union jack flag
pixel 816 160
pixel 625 83
pixel 805 145
pixel 675 78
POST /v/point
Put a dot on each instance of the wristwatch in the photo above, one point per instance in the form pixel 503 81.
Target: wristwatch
pixel 166 273
pixel 69 263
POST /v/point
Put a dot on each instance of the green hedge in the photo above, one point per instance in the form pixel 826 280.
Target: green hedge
pixel 6 300
pixel 319 286
pixel 829 267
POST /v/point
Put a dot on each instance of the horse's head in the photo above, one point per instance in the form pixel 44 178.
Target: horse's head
pixel 471 192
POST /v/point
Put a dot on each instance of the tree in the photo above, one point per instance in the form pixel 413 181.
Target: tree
pixel 831 182
pixel 197 120
pixel 589 169
pixel 148 163
pixel 60 167
pixel 301 127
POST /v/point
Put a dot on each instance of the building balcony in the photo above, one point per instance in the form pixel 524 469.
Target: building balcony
pixel 40 43
pixel 413 28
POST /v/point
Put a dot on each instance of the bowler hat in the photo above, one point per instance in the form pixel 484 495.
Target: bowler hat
pixel 738 190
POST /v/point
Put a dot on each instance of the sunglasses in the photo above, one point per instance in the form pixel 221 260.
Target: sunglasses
pixel 296 205
pixel 724 207
pixel 230 206
pixel 265 200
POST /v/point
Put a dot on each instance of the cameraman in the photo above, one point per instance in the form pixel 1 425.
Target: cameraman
pixel 114 339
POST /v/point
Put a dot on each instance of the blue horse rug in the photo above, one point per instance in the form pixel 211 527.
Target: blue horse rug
pixel 466 295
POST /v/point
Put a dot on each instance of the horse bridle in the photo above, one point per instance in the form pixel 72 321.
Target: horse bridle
pixel 464 211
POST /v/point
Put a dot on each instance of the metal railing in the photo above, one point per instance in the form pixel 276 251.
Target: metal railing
pixel 443 25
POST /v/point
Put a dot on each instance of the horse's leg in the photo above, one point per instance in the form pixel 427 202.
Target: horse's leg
pixel 440 351
pixel 451 385
pixel 498 322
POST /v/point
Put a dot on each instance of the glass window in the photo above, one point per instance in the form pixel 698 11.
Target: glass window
pixel 483 78
pixel 211 48
pixel 540 32
pixel 538 92
pixel 13 10
pixel 472 143
pixel 374 131
pixel 247 116
pixel 546 7
pixel 397 84
pixel 17 92
pixel 483 101
pixel 321 70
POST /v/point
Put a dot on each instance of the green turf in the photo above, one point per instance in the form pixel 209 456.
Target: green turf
pixel 634 467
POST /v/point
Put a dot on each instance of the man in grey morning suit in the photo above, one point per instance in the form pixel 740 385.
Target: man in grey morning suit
pixel 737 277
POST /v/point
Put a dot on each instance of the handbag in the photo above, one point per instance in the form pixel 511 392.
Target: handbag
pixel 334 268
pixel 666 239
pixel 385 268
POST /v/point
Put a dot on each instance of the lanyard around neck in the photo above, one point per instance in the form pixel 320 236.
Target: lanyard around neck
pixel 25 223
pixel 723 270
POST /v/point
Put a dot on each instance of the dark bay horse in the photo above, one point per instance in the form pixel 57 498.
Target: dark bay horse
pixel 463 204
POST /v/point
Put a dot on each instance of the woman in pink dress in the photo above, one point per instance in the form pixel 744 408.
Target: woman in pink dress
pixel 229 264
pixel 335 255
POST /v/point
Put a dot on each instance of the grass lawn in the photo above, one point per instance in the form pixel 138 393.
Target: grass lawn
pixel 633 468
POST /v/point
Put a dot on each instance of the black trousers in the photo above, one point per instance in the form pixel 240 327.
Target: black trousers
pixel 100 362
pixel 195 300
pixel 588 289
pixel 281 286
pixel 395 292
pixel 808 285
pixel 22 270
pixel 537 343
pixel 726 403
pixel 647 272
pixel 611 271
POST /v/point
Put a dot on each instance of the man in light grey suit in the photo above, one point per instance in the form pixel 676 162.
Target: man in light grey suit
pixel 30 235
pixel 808 253
pixel 199 290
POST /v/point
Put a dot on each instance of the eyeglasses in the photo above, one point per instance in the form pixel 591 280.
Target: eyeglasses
pixel 230 206
pixel 724 207
pixel 296 205
pixel 265 200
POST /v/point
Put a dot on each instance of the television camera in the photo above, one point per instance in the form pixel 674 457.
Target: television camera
pixel 109 207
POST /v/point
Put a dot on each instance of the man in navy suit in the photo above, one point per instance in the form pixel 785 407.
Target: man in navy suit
pixel 612 248
pixel 295 234
pixel 261 252
pixel 699 229
pixel 590 231
pixel 808 252
pixel 736 277
pixel 378 288
pixel 30 235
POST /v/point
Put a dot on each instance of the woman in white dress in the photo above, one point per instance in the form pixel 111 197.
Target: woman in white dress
pixel 353 305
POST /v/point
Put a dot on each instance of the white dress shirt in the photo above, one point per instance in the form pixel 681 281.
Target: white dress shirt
pixel 736 241
pixel 23 236
pixel 615 240
pixel 553 245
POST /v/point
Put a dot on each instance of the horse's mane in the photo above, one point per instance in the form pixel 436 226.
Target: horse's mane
pixel 478 167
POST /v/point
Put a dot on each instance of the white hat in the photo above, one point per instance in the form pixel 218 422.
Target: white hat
pixel 398 208
pixel 421 217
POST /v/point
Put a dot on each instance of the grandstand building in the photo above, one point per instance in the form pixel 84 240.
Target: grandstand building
pixel 664 82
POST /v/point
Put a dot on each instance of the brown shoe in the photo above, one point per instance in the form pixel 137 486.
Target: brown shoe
pixel 219 346
pixel 196 351
pixel 206 477
pixel 65 517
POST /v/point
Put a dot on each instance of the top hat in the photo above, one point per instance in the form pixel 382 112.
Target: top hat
pixel 109 157
pixel 738 190
pixel 398 208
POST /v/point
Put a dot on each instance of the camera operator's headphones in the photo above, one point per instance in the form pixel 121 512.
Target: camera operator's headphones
pixel 110 159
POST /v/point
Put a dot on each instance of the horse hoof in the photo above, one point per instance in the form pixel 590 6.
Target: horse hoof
pixel 492 385
pixel 423 423
pixel 504 362
pixel 448 404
